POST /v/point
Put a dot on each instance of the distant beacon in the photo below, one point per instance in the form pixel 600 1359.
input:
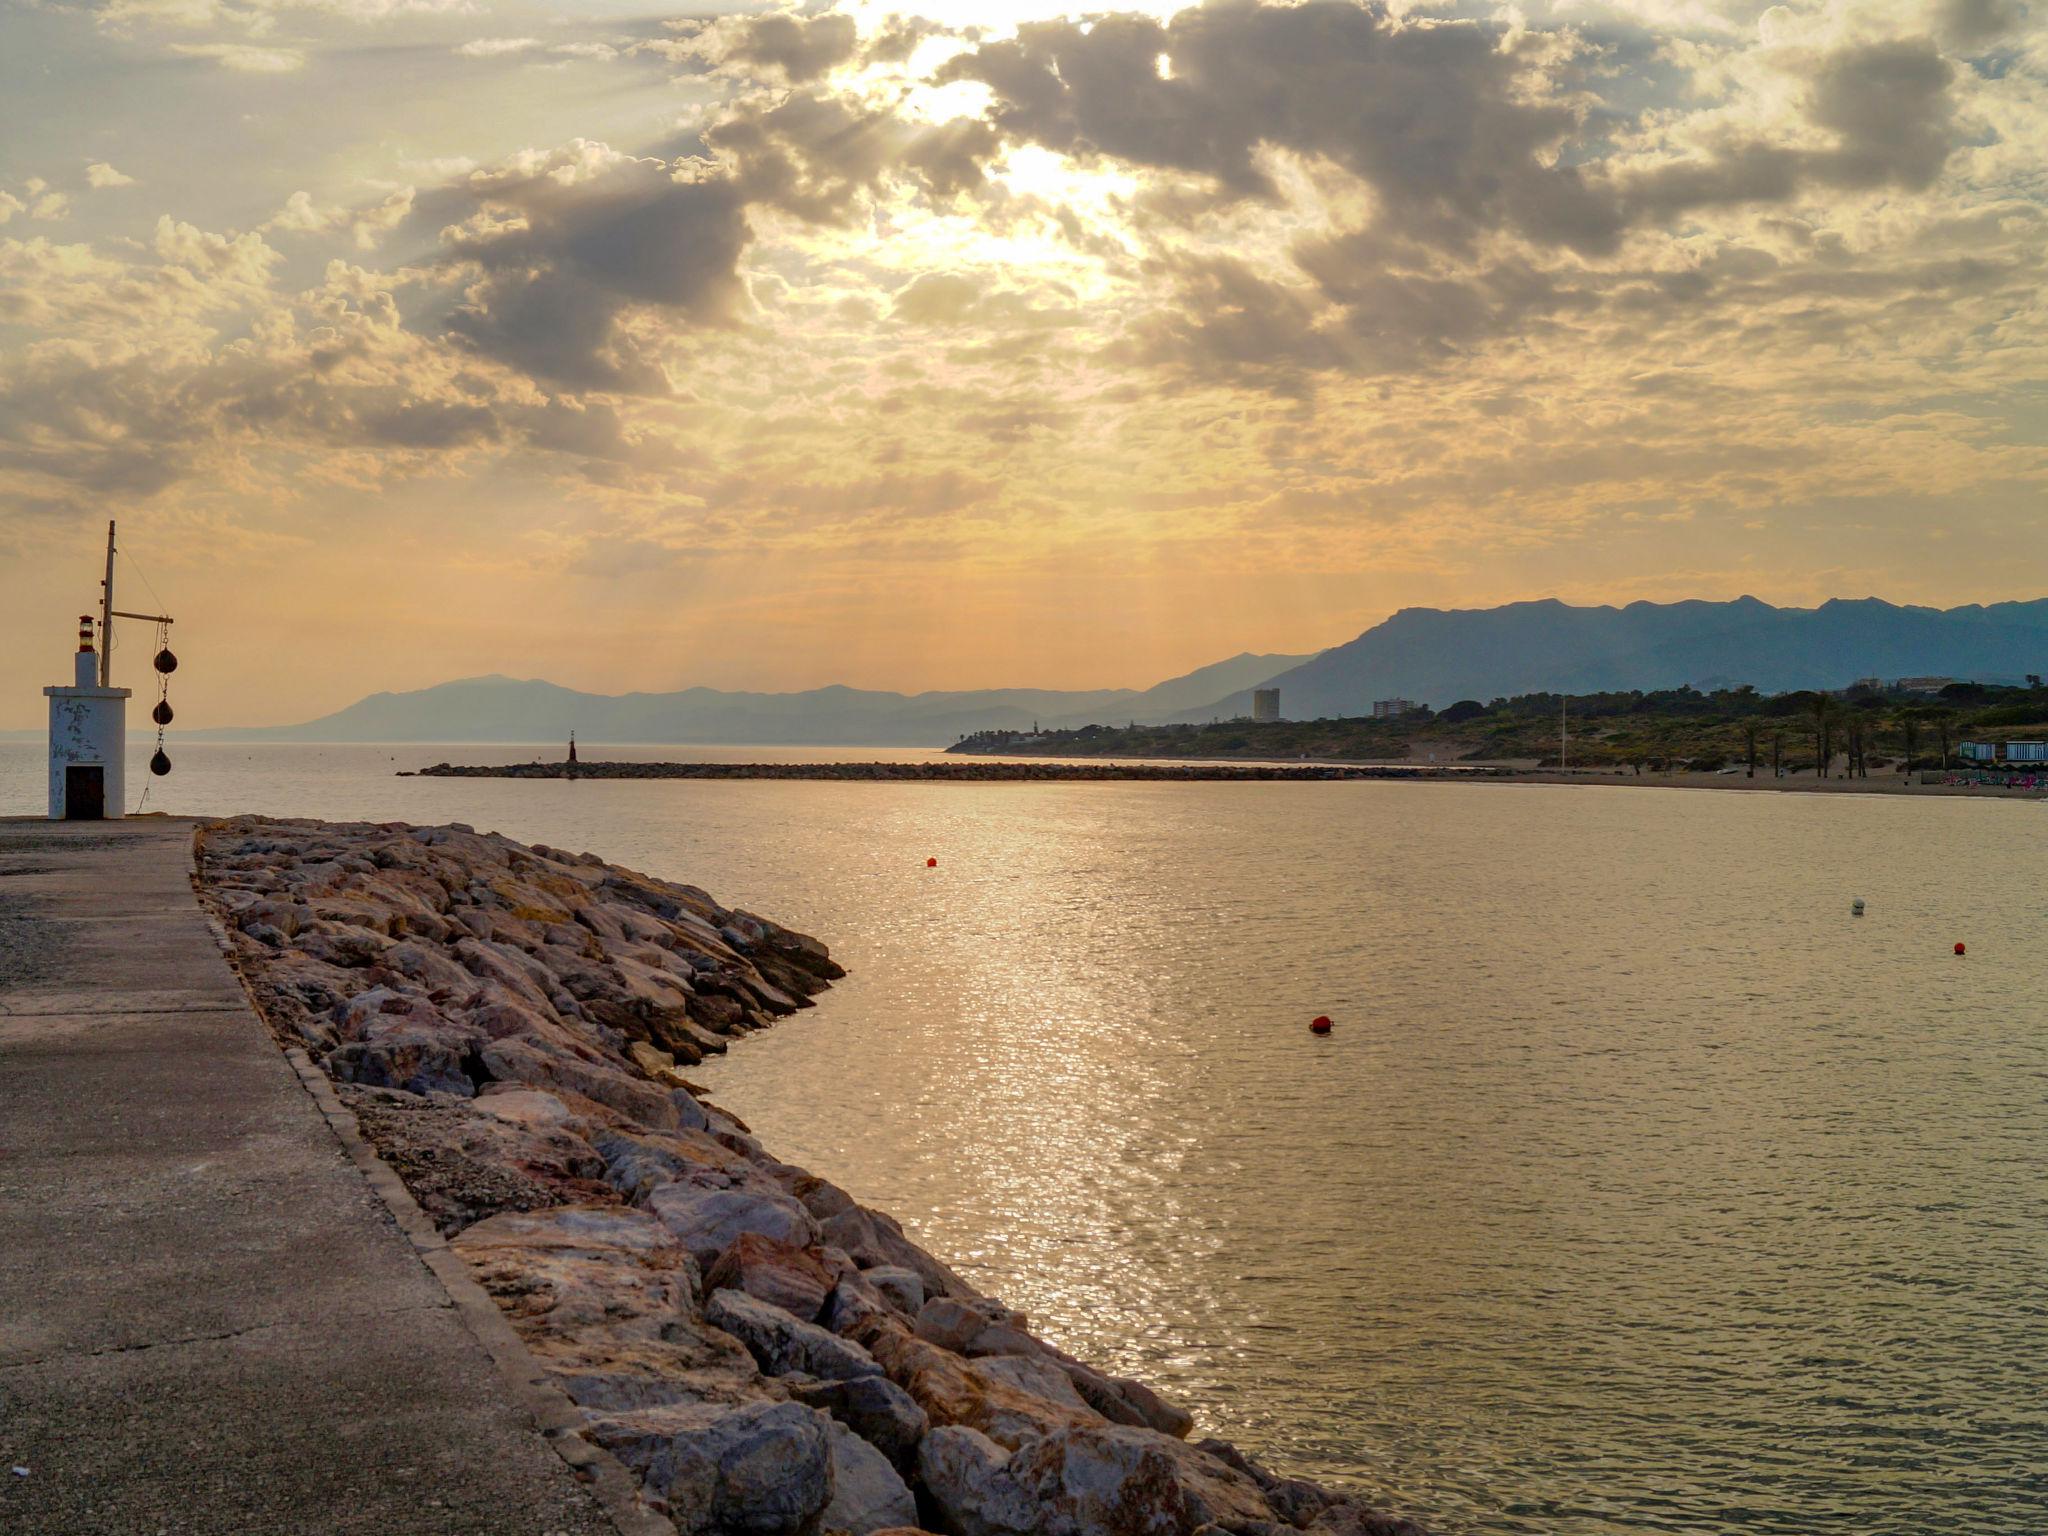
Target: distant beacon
pixel 88 739
pixel 1265 705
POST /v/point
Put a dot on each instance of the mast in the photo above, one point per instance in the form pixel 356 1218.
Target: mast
pixel 107 614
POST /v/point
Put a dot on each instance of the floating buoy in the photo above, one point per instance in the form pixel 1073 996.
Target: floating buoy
pixel 1856 907
pixel 166 663
pixel 1320 1024
pixel 931 863
pixel 162 713
pixel 1959 946
pixel 161 765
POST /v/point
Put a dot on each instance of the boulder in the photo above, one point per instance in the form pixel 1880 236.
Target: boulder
pixel 1295 1502
pixel 867 1493
pixel 1004 1399
pixel 974 1327
pixel 782 1344
pixel 876 1409
pixel 637 1163
pixel 782 1274
pixel 1348 1519
pixel 763 1469
pixel 608 1269
pixel 873 1238
pixel 519 1061
pixel 901 1287
pixel 1108 1481
pixel 706 1220
pixel 395 1052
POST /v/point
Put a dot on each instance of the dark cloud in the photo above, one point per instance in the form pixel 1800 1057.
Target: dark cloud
pixel 800 48
pixel 1973 23
pixel 564 249
pixel 1888 106
pixel 1441 120
pixel 1433 117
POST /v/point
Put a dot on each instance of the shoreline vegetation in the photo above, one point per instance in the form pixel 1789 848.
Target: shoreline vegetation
pixel 510 1025
pixel 1870 736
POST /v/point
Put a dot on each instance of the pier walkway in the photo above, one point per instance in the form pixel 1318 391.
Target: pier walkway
pixel 209 1320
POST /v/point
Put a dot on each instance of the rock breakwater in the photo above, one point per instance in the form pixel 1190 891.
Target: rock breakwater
pixel 942 772
pixel 510 1025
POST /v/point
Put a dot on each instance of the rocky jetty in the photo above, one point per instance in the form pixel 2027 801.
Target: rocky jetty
pixel 509 1025
pixel 942 772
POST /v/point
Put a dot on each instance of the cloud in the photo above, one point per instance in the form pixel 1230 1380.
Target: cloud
pixel 245 58
pixel 796 48
pixel 1438 120
pixel 367 225
pixel 497 47
pixel 100 175
pixel 565 248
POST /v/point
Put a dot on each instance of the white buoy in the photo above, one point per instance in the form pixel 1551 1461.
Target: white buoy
pixel 1856 907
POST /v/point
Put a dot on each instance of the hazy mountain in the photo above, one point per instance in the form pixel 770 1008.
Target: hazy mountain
pixel 1436 656
pixel 510 709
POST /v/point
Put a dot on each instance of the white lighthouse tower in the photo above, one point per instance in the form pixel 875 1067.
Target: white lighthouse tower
pixel 89 719
pixel 88 740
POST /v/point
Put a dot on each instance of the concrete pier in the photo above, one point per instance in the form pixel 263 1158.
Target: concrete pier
pixel 210 1322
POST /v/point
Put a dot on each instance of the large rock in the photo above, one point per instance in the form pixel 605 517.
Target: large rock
pixel 782 1274
pixel 760 1470
pixel 876 1409
pixel 583 1267
pixel 1108 1481
pixel 1011 1399
pixel 867 1493
pixel 873 1238
pixel 396 1052
pixel 783 1343
pixel 974 1326
pixel 706 1220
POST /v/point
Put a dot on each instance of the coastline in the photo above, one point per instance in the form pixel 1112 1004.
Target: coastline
pixel 1208 770
pixel 509 1025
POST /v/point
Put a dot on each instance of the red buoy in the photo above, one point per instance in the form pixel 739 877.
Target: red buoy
pixel 1320 1024
pixel 1959 946
pixel 931 863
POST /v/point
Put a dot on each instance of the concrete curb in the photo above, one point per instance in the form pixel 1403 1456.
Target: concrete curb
pixel 557 1418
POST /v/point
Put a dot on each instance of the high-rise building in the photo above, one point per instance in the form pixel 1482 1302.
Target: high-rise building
pixel 1386 709
pixel 1265 704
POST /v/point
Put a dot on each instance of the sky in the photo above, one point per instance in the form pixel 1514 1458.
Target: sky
pixel 980 344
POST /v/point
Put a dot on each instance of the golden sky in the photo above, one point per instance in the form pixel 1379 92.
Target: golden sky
pixel 956 345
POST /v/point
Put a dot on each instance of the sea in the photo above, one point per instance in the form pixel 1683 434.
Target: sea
pixel 1639 1185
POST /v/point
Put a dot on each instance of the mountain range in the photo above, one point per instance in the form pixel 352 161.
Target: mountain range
pixel 512 709
pixel 1430 655
pixel 1437 656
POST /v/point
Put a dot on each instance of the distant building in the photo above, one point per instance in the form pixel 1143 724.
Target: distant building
pixel 1977 751
pixel 2026 751
pixel 1923 684
pixel 1265 705
pixel 1386 709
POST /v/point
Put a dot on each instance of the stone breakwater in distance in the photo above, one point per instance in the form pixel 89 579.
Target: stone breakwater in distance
pixel 943 773
pixel 769 1357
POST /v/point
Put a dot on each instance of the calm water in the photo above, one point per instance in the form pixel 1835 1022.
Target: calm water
pixel 1640 1188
